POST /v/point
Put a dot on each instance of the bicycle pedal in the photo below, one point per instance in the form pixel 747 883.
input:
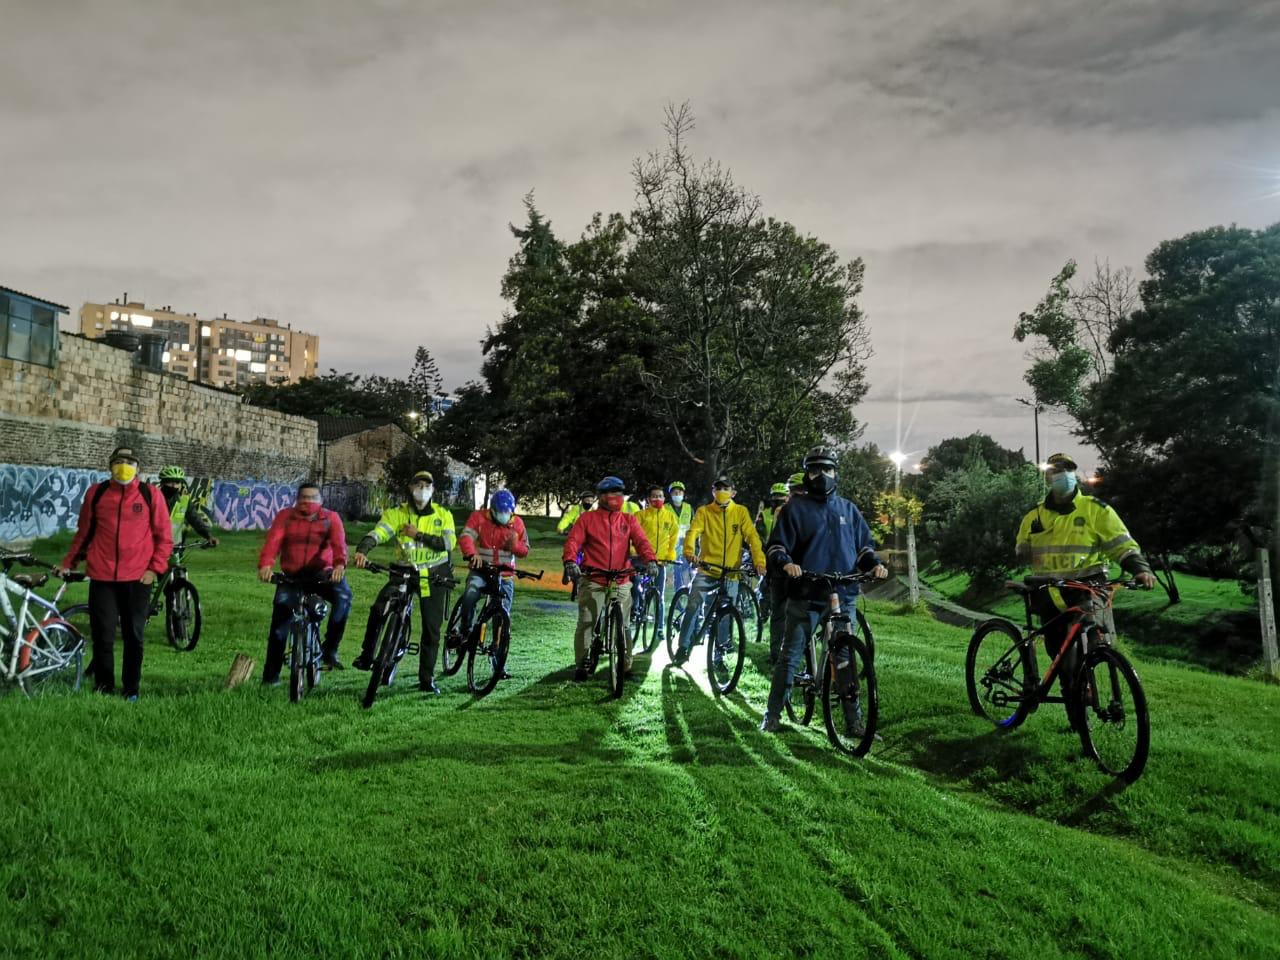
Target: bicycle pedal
pixel 411 649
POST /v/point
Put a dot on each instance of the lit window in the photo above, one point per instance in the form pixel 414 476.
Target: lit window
pixel 206 332
pixel 97 326
pixel 166 357
pixel 186 346
pixel 141 320
pixel 244 356
pixel 257 368
pixel 115 314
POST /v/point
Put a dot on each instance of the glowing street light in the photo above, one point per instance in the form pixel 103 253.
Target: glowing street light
pixel 898 458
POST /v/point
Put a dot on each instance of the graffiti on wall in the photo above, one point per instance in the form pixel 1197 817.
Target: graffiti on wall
pixel 248 504
pixel 40 501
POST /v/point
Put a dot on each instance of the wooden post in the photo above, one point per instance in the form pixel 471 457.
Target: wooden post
pixel 1267 616
pixel 913 572
pixel 241 668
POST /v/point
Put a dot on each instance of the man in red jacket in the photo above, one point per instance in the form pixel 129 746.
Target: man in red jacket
pixel 310 542
pixel 125 538
pixel 494 537
pixel 604 538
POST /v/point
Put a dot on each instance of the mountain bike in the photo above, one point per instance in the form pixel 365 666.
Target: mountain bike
pixel 1102 694
pixel 727 650
pixel 398 598
pixel 845 676
pixel 609 636
pixel 646 610
pixel 40 651
pixel 486 645
pixel 309 610
pixel 750 599
pixel 174 593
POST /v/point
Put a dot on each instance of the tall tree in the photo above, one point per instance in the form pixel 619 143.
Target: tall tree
pixel 957 453
pixel 764 343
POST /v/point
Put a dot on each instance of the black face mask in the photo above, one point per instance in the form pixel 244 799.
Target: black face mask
pixel 170 492
pixel 821 485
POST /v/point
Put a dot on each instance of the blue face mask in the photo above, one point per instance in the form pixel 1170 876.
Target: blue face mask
pixel 1063 484
pixel 502 518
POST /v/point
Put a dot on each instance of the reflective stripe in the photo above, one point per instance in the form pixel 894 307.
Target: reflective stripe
pixel 506 558
pixel 468 532
pixel 1127 554
pixel 864 551
pixel 1116 541
pixel 1085 548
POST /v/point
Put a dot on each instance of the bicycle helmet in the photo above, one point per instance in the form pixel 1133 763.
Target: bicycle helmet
pixel 677 485
pixel 796 481
pixel 173 473
pixel 611 485
pixel 820 457
pixel 778 490
pixel 503 502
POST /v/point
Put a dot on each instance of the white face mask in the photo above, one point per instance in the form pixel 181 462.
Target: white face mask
pixel 421 495
pixel 676 499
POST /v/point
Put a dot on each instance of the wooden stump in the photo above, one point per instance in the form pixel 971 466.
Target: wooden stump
pixel 241 668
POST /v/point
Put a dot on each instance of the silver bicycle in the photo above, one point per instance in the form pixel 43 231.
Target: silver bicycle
pixel 40 652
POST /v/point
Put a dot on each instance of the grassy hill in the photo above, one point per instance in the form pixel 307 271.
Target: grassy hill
pixel 548 820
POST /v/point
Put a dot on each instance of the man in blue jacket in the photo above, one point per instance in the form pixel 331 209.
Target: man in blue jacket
pixel 821 532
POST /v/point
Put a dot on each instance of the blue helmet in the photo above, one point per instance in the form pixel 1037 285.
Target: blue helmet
pixel 611 485
pixel 503 502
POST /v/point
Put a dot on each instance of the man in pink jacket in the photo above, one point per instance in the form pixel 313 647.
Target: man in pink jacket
pixel 125 539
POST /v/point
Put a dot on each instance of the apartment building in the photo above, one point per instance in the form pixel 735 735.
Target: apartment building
pixel 220 352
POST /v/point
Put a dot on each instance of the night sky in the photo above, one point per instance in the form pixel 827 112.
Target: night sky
pixel 352 168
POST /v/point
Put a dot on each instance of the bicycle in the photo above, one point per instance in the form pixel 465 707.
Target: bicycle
pixel 486 645
pixel 725 654
pixel 1104 699
pixel 397 622
pixel 845 676
pixel 750 600
pixel 176 595
pixel 609 633
pixel 39 655
pixel 309 609
pixel 646 610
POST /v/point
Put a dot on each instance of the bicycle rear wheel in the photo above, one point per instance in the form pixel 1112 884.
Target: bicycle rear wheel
pixel 850 705
pixel 726 654
pixel 55 660
pixel 1115 728
pixel 1000 674
pixel 749 606
pixel 615 641
pixel 649 628
pixel 454 649
pixel 379 674
pixel 806 690
pixel 490 642
pixel 182 615
pixel 675 617
pixel 297 660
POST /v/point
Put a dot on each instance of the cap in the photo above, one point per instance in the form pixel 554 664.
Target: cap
pixel 423 475
pixel 677 485
pixel 1061 460
pixel 123 453
pixel 722 481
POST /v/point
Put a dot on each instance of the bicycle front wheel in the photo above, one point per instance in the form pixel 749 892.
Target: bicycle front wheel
pixel 850 704
pixel 675 617
pixel 615 641
pixel 454 649
pixel 1000 674
pixel 55 661
pixel 1115 729
pixel 490 642
pixel 726 649
pixel 182 615
pixel 297 660
pixel 805 686
pixel 380 673
pixel 649 629
pixel 749 606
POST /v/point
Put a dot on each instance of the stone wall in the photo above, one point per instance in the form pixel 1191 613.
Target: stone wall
pixel 97 399
pixel 362 456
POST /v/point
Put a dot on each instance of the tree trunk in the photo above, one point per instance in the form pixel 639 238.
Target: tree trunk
pixel 1167 581
pixel 241 670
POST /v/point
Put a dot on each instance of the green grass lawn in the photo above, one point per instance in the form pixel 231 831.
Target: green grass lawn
pixel 548 820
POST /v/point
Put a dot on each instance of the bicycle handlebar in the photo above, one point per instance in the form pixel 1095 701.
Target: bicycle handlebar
pixel 610 575
pixel 306 581
pixel 440 580
pixel 1042 583
pixel 198 544
pixel 28 560
pixel 837 578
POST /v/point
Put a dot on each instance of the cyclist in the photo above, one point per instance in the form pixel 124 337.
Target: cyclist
pixel 661 528
pixel 773 606
pixel 824 533
pixel 424 534
pixel 681 573
pixel 309 540
pixel 495 536
pixel 767 511
pixel 585 502
pixel 124 538
pixel 718 531
pixel 1075 536
pixel 603 538
pixel 182 512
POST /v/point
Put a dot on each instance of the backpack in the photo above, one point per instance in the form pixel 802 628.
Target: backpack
pixel 143 488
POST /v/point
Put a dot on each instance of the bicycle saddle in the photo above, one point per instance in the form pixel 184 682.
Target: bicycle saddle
pixel 30 582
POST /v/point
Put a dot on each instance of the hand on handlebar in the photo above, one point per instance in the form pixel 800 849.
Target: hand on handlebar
pixel 1146 579
pixel 476 561
pixel 264 574
pixel 881 572
pixel 793 570
pixel 338 573
pixel 360 560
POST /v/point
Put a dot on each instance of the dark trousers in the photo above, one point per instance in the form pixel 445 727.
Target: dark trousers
pixel 1055 634
pixel 776 592
pixel 432 612
pixel 339 597
pixel 111 603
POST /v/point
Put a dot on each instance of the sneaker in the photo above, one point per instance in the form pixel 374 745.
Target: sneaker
pixel 506 676
pixel 131 698
pixel 682 655
pixel 770 724
pixel 363 662
pixel 428 686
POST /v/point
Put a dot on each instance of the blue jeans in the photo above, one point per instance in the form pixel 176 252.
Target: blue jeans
pixel 506 587
pixel 681 570
pixel 702 589
pixel 339 597
pixel 802 620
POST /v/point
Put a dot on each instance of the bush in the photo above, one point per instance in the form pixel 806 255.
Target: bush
pixel 980 510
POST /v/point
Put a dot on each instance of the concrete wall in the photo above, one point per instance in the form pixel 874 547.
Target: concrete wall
pixel 362 456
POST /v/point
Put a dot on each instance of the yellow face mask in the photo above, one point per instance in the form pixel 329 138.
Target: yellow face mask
pixel 723 496
pixel 123 472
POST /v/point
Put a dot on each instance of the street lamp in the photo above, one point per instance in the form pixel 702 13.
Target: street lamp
pixel 1036 407
pixel 898 458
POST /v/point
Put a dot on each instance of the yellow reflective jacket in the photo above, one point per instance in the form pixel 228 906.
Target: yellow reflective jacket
pixel 662 529
pixel 1081 539
pixel 766 516
pixel 683 515
pixel 570 517
pixel 719 533
pixel 434 521
pixel 630 506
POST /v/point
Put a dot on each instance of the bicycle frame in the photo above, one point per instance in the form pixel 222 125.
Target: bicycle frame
pixel 718 599
pixel 19 626
pixel 1081 615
